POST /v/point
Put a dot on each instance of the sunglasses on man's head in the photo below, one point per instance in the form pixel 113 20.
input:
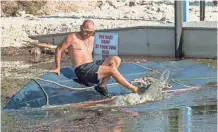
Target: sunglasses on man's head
pixel 87 31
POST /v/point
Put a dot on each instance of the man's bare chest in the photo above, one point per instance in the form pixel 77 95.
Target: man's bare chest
pixel 83 46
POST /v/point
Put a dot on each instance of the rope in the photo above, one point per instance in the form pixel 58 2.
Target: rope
pixel 173 80
pixel 143 82
pixel 183 79
pixel 46 95
pixel 64 86
pixel 183 89
pixel 168 91
pixel 147 68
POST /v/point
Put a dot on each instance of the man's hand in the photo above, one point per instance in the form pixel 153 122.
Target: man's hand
pixel 57 71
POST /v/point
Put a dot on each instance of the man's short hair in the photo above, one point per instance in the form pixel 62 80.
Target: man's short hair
pixel 88 21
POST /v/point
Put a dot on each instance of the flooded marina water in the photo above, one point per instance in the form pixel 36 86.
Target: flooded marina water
pixel 192 111
pixel 179 111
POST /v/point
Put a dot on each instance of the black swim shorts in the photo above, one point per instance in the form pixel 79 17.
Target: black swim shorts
pixel 87 72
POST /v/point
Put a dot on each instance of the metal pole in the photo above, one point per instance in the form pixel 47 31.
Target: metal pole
pixel 185 10
pixel 202 10
pixel 178 9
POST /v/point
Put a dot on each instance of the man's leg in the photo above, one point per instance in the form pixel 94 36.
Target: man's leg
pixel 113 61
pixel 106 71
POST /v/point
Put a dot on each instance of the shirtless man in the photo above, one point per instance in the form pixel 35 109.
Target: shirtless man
pixel 80 46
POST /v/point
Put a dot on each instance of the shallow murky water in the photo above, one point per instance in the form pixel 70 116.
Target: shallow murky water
pixel 179 111
pixel 190 111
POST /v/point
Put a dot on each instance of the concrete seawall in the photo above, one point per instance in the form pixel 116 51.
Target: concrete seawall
pixel 199 40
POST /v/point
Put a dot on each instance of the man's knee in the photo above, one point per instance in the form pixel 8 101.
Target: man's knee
pixel 113 71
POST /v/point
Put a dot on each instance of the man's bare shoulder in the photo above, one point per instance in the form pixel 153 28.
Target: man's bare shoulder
pixel 73 36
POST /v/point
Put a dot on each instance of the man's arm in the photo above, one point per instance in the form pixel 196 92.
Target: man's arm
pixel 64 45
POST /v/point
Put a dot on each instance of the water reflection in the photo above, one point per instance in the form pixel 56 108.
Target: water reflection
pixel 187 119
